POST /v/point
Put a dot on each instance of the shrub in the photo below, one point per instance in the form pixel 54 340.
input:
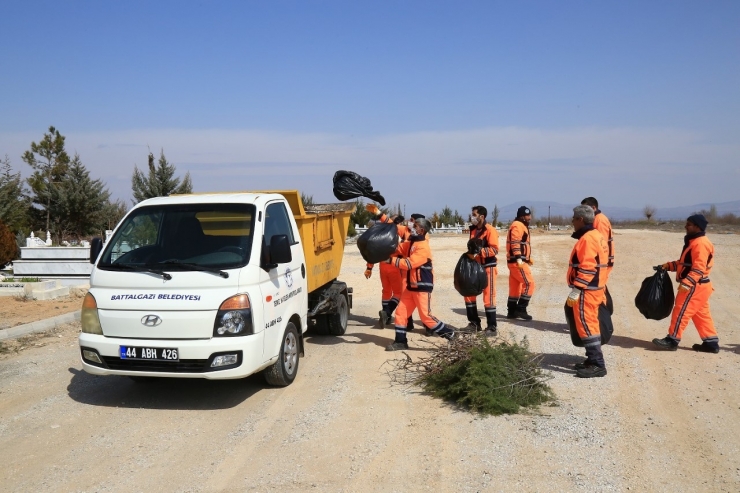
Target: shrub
pixel 8 246
pixel 485 378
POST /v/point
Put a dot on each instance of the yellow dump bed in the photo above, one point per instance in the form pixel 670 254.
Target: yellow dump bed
pixel 323 231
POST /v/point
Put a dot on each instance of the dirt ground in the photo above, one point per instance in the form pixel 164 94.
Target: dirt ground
pixel 15 311
pixel 659 421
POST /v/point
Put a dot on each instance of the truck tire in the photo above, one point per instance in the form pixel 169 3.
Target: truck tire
pixel 285 369
pixel 337 322
pixel 321 327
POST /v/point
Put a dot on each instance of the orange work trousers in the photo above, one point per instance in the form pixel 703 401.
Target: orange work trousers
pixel 391 281
pixel 416 300
pixel 521 282
pixel 693 305
pixel 489 294
pixel 586 314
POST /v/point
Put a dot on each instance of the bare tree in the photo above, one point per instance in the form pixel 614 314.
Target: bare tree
pixel 649 211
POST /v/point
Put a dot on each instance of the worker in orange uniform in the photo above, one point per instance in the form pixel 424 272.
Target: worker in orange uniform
pixel 587 277
pixel 483 247
pixel 518 260
pixel 414 259
pixel 390 277
pixel 604 226
pixel 694 289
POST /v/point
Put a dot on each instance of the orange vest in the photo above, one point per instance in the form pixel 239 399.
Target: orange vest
pixel 696 261
pixel 586 269
pixel 415 258
pixel 489 249
pixel 517 242
pixel 604 226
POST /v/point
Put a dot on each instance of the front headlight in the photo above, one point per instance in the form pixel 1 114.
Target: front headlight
pixel 234 317
pixel 89 316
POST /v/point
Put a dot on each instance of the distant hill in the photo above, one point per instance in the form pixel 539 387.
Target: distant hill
pixel 508 212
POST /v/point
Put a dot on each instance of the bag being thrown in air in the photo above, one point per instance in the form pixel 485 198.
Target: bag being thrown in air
pixel 605 325
pixel 378 243
pixel 349 185
pixel 655 298
pixel 470 277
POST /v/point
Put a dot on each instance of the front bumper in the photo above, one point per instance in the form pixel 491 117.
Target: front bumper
pixel 194 356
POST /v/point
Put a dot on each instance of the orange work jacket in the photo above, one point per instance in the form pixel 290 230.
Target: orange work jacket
pixel 517 242
pixel 604 226
pixel 414 257
pixel 587 266
pixel 489 248
pixel 696 261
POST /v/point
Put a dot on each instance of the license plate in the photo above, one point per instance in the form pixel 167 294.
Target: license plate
pixel 149 353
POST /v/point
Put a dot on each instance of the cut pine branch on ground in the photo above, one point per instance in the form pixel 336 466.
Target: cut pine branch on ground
pixel 499 377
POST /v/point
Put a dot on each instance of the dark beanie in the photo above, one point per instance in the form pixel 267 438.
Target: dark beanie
pixel 699 220
pixel 523 211
pixel 417 216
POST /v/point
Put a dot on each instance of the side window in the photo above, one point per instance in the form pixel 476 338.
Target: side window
pixel 277 223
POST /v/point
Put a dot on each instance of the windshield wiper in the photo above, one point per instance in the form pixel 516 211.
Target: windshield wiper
pixel 141 268
pixel 201 268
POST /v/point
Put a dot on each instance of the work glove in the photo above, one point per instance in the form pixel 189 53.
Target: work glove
pixel 368 273
pixel 573 297
pixel 530 261
pixel 665 266
pixel 519 262
pixel 682 288
pixel 474 245
pixel 372 209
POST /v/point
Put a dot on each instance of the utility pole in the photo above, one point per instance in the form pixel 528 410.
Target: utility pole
pixel 549 225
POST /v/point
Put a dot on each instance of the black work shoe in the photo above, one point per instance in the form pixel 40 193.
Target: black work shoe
pixel 583 365
pixel 511 314
pixel 397 346
pixel 383 318
pixel 522 314
pixel 472 327
pixel 591 372
pixel 705 348
pixel 428 333
pixel 666 343
pixel 491 331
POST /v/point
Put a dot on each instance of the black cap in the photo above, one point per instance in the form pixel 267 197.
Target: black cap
pixel 417 216
pixel 523 211
pixel 699 220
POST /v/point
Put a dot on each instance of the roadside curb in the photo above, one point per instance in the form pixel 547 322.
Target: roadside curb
pixel 39 326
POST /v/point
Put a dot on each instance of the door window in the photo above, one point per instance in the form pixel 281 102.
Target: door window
pixel 278 223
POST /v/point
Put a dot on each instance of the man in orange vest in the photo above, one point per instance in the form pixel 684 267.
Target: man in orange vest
pixel 694 289
pixel 483 247
pixel 414 259
pixel 604 226
pixel 518 260
pixel 587 276
pixel 390 277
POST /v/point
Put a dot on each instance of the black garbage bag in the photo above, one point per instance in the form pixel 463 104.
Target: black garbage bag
pixel 609 301
pixel 655 298
pixel 470 277
pixel 378 243
pixel 349 185
pixel 605 325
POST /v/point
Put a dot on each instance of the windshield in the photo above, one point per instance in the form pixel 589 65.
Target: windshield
pixel 170 237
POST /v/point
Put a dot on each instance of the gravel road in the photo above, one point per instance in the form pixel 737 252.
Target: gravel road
pixel 659 421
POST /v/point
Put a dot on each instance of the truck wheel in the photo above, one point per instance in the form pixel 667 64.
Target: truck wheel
pixel 285 369
pixel 321 327
pixel 337 322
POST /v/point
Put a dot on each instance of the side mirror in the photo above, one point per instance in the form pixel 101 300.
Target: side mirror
pixel 280 250
pixel 96 246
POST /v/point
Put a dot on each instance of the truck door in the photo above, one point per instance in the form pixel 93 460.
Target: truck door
pixel 285 284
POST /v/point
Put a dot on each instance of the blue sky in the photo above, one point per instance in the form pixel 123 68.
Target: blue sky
pixel 437 102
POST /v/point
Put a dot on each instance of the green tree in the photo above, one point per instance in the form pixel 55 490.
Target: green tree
pixel 112 214
pixel 50 162
pixel 81 201
pixel 160 182
pixel 495 214
pixel 14 203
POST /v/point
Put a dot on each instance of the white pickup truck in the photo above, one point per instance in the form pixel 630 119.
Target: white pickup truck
pixel 215 286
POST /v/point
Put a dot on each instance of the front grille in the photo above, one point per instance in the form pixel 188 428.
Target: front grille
pixel 182 366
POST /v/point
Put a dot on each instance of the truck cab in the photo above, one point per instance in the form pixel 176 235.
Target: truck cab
pixel 210 286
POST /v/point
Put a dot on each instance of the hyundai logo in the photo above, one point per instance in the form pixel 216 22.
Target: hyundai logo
pixel 150 320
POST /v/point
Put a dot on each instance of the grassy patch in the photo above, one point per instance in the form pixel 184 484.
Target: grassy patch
pixel 22 279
